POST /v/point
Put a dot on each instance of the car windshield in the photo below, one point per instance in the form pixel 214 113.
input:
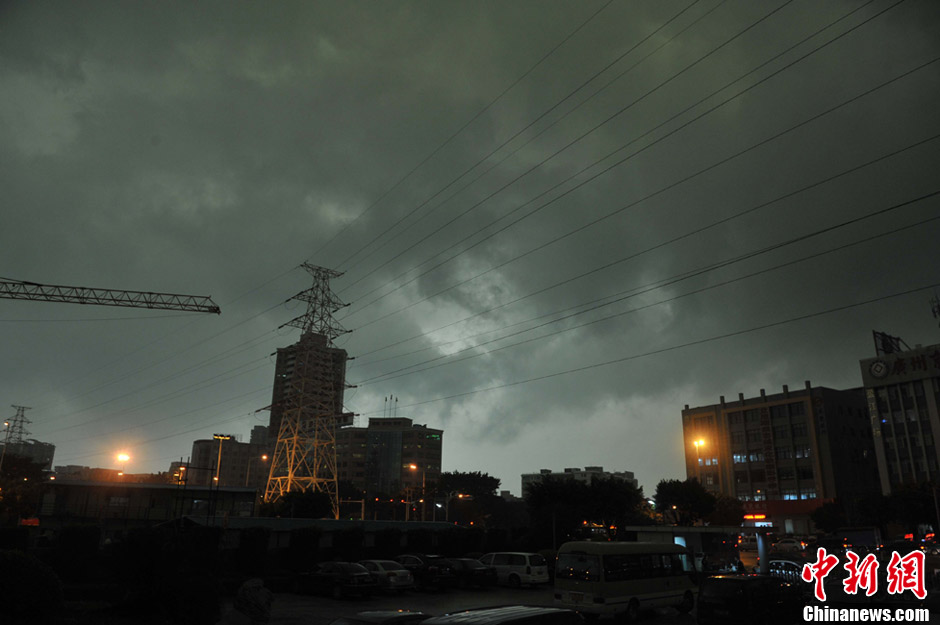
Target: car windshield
pixel 578 566
pixel 388 565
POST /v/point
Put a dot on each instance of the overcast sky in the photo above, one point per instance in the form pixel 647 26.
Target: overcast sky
pixel 477 169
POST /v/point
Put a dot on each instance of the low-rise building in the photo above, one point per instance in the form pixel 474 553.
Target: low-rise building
pixel 586 476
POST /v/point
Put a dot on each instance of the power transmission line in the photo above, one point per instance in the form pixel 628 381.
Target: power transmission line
pixel 665 243
pixel 675 347
pixel 404 370
pixel 623 208
pixel 388 239
pixel 564 148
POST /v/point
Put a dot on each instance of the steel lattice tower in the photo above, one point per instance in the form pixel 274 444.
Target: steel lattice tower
pixel 305 453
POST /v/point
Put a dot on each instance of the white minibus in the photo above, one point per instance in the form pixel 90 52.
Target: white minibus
pixel 622 578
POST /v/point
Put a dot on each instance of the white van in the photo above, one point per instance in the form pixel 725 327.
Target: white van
pixel 622 578
pixel 517 568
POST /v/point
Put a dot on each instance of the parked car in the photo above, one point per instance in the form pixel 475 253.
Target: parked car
pixel 789 568
pixel 472 572
pixel 789 544
pixel 748 600
pixel 382 617
pixel 339 579
pixel 389 575
pixel 517 568
pixel 430 572
pixel 509 615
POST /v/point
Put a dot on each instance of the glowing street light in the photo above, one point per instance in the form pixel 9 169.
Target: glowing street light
pixel 698 457
pixel 123 458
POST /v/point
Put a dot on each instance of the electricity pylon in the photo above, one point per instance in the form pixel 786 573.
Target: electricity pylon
pixel 305 453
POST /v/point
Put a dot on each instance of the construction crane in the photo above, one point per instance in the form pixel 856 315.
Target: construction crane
pixel 18 289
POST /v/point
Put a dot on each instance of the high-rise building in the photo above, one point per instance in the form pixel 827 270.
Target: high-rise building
pixel 902 390
pixel 585 476
pixel 379 458
pixel 785 454
pixel 283 388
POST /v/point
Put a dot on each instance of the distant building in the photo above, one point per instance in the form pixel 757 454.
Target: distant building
pixel 783 455
pixel 35 451
pixel 902 392
pixel 585 476
pixel 378 458
pixel 243 464
pixel 284 383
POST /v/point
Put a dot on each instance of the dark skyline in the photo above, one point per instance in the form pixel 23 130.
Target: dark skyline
pixel 756 163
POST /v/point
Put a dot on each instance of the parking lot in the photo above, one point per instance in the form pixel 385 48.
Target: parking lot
pixel 317 610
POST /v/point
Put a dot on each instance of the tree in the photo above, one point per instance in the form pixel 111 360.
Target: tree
pixel 728 511
pixel 829 517
pixel 560 508
pixel 473 483
pixel 687 502
pixel 21 488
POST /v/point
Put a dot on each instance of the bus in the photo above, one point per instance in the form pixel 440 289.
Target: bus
pixel 622 578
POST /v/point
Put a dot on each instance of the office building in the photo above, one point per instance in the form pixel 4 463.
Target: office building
pixel 243 464
pixel 378 458
pixel 785 454
pixel 585 476
pixel 902 390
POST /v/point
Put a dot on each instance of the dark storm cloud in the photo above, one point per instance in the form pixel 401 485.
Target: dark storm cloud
pixel 211 148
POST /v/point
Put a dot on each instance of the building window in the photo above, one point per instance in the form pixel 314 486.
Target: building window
pixel 737 439
pixel 784 453
pixel 778 411
pixel 785 474
pixel 752 416
pixel 734 418
pixel 756 456
pixel 740 477
pixel 803 452
pixel 808 494
pixel 799 408
pixel 805 473
pixel 799 430
pixel 789 494
pixel 754 437
pixel 740 458
pixel 781 431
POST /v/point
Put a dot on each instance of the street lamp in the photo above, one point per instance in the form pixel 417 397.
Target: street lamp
pixel 414 467
pixel 218 469
pixel 264 458
pixel 123 458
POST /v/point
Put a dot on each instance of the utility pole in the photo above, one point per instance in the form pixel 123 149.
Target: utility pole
pixel 16 430
pixel 305 453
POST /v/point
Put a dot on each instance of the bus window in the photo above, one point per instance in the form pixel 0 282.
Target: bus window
pixel 619 567
pixel 578 566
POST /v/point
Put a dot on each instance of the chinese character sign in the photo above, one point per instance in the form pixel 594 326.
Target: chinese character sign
pixel 903 573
